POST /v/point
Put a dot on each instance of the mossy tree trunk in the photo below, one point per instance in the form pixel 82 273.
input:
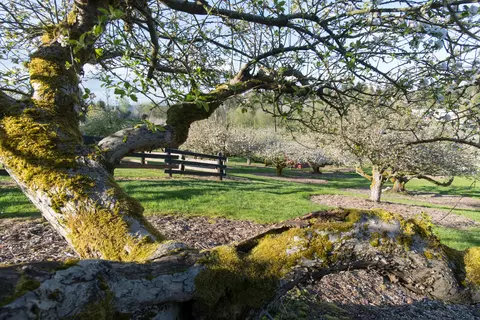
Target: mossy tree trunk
pixel 41 147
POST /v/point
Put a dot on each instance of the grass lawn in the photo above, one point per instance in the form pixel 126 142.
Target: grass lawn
pixel 253 195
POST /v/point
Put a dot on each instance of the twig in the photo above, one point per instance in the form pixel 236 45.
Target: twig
pixel 456 204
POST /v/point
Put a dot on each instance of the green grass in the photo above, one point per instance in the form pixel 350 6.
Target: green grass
pixel 459 239
pixel 13 203
pixel 260 198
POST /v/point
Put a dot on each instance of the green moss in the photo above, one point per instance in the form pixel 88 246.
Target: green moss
pixel 429 254
pixel 101 310
pixel 104 232
pixel 375 239
pixel 68 263
pixel 384 215
pixel 472 265
pixel 339 220
pixel 232 284
pixel 24 285
pixel 235 282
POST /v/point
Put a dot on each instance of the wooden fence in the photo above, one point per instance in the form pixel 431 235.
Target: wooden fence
pixel 194 166
pixel 175 161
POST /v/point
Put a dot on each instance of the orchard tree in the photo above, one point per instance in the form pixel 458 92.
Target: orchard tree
pixel 311 152
pixel 439 159
pixel 208 136
pixel 212 136
pixel 376 137
pixel 276 151
pixel 245 142
pixel 192 56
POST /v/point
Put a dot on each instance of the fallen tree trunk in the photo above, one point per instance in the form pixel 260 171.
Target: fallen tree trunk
pixel 241 280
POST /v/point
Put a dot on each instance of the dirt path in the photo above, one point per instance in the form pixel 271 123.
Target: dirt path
pixel 439 216
pixel 446 200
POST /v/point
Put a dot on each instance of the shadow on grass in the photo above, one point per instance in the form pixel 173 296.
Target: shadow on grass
pixel 466 191
pixel 14 204
pixel 185 189
pixel 459 239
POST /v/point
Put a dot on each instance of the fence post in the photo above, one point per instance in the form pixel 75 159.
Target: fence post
pixel 168 161
pixel 182 166
pixel 220 163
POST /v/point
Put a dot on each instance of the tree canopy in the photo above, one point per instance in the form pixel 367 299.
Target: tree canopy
pixel 175 51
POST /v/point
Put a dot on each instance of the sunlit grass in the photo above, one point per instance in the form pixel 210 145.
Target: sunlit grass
pixel 252 194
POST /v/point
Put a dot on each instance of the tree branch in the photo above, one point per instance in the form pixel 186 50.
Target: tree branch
pixel 203 8
pixel 456 140
pixel 360 171
pixel 179 118
pixel 142 138
pixel 438 183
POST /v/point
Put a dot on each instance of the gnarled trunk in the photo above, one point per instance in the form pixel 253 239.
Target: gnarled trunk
pixel 399 184
pixel 41 148
pixel 315 168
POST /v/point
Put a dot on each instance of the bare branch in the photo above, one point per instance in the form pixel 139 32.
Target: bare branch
pixel 360 171
pixel 436 182
pixel 456 140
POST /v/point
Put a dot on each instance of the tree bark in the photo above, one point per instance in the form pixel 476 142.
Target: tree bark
pixel 376 184
pixel 278 170
pixel 399 184
pixel 238 281
pixel 249 161
pixel 315 168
